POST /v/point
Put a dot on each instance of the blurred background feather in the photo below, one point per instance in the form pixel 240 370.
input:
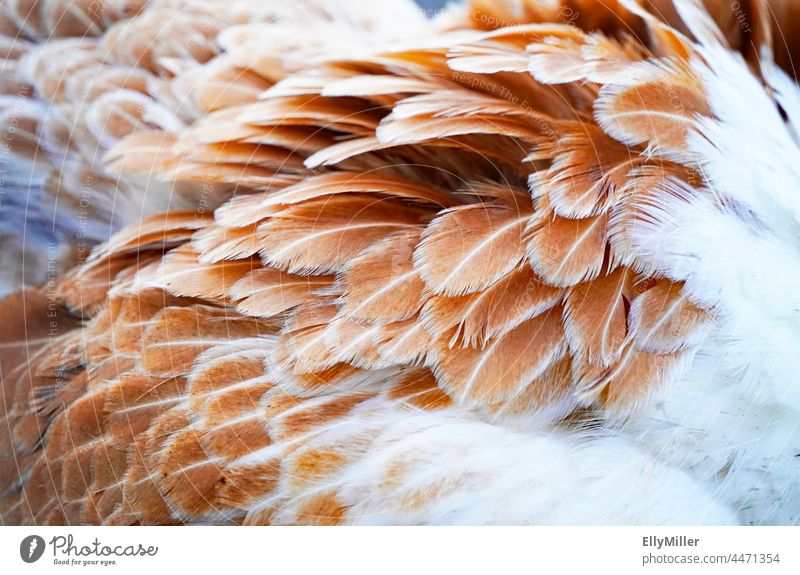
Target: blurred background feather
pixel 59 114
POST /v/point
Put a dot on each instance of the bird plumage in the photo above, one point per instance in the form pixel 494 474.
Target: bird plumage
pixel 469 271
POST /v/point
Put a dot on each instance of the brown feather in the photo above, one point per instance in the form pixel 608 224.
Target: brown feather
pixel 563 251
pixel 267 292
pixel 467 249
pixel 325 234
pixel 658 111
pixel 506 365
pixel 595 316
pixel 664 320
pixel 484 315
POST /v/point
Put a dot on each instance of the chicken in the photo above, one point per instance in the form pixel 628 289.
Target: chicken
pixel 521 263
